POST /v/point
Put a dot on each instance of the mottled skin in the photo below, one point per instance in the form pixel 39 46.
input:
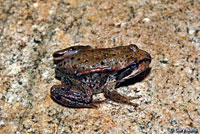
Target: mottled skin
pixel 85 71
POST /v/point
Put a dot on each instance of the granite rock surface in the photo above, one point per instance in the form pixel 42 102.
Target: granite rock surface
pixel 30 31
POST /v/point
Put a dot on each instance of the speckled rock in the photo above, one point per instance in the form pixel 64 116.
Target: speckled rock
pixel 30 31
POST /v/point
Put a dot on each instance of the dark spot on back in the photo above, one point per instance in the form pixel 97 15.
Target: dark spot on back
pixel 102 63
pixel 74 66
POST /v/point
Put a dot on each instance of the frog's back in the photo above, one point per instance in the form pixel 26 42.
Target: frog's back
pixel 100 60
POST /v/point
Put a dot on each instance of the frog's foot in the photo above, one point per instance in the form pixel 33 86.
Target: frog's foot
pixel 71 97
pixel 115 96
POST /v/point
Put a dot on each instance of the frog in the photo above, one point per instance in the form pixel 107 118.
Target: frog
pixel 85 71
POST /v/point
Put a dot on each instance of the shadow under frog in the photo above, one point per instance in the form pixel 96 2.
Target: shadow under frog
pixel 85 71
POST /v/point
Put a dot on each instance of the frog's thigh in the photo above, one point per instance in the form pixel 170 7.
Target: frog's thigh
pixel 70 97
pixel 67 80
pixel 70 81
pixel 115 96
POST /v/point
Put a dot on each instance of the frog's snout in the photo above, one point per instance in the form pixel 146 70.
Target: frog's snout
pixel 148 58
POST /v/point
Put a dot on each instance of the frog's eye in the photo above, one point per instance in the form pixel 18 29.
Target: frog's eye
pixel 71 48
pixel 133 47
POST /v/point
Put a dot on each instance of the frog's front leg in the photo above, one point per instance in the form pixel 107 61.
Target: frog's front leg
pixel 71 97
pixel 113 95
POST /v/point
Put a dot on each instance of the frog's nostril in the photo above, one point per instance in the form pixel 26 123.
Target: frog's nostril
pixel 147 59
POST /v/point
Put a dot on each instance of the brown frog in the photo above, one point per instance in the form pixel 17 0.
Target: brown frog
pixel 85 71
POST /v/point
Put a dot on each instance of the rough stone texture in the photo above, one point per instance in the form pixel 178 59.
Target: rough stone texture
pixel 30 31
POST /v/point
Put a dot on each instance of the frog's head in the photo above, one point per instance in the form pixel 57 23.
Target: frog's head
pixel 137 62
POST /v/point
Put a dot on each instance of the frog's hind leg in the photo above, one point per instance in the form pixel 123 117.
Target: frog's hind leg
pixel 58 73
pixel 71 97
pixel 72 93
